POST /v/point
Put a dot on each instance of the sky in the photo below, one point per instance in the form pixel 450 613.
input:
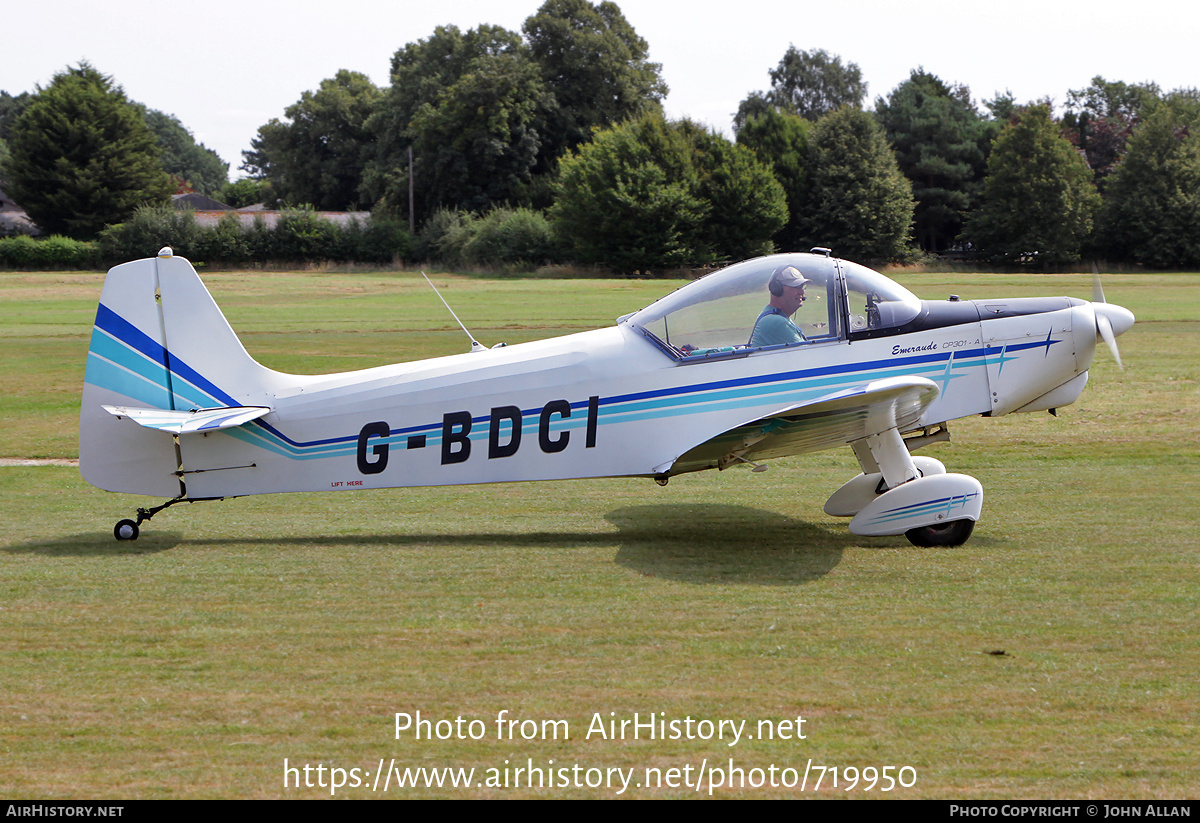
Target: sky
pixel 225 68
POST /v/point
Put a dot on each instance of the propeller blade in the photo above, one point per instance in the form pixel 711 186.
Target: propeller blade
pixel 1104 326
pixel 1106 315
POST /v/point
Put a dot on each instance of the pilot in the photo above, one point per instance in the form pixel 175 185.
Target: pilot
pixel 774 326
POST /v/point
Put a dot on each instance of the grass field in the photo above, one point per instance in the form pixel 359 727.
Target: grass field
pixel 1055 655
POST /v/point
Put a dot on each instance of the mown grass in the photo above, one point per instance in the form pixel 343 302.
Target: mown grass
pixel 1052 656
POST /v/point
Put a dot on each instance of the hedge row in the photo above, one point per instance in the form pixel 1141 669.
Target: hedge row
pixel 504 239
pixel 300 236
pixel 24 253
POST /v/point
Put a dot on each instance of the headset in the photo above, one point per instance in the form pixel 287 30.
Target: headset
pixel 774 286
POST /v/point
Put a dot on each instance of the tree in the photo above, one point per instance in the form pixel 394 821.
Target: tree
pixel 809 84
pixel 10 108
pixel 1101 118
pixel 935 132
pixel 648 194
pixel 81 156
pixel 196 166
pixel 859 204
pixel 748 205
pixel 781 141
pixel 497 96
pixel 597 68
pixel 1185 102
pixel 423 75
pixel 1038 198
pixel 1003 107
pixel 422 71
pixel 317 157
pixel 756 105
pixel 1151 214
pixel 246 192
pixel 629 198
pixel 1113 99
pixel 479 144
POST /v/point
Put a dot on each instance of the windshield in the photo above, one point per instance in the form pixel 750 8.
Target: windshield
pixel 718 312
pixel 874 301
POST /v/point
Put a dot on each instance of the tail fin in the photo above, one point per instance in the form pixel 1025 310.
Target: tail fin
pixel 159 342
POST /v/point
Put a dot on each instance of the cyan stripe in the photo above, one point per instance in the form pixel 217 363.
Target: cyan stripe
pixel 126 360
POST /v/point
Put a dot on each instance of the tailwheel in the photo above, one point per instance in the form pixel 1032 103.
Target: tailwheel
pixel 954 533
pixel 125 530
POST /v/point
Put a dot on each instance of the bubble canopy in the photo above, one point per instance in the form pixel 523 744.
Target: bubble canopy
pixel 715 315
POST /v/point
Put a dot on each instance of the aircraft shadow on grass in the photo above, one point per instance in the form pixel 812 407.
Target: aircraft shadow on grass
pixel 699 543
pixel 695 543
pixel 94 544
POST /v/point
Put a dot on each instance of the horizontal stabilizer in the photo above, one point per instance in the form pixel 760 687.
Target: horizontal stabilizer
pixel 187 422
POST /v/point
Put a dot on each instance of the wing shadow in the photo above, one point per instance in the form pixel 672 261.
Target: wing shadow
pixel 699 543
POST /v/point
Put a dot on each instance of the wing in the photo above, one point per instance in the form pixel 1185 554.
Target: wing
pixel 825 423
pixel 186 422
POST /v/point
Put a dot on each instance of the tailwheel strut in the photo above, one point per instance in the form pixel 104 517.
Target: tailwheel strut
pixel 129 529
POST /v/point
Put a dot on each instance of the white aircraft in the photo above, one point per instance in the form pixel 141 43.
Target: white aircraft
pixel 173 406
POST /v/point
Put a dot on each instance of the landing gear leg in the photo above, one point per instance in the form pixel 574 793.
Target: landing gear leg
pixel 931 508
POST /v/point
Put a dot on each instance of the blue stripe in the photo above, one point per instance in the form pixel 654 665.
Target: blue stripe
pixel 129 334
pixel 138 369
pixel 948 504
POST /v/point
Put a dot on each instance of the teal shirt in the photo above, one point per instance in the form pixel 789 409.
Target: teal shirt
pixel 772 329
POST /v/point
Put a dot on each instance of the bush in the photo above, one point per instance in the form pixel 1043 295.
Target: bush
pixel 259 240
pixel 444 236
pixel 302 235
pixel 383 241
pixel 247 192
pixel 55 252
pixel 227 242
pixel 151 228
pixel 506 238
pixel 58 252
pixel 18 252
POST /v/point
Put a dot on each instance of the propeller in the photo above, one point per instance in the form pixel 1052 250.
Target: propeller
pixel 1110 320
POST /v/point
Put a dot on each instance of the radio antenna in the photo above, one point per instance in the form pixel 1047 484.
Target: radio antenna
pixel 475 344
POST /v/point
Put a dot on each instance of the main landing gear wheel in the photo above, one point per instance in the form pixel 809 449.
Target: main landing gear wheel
pixel 125 530
pixel 954 533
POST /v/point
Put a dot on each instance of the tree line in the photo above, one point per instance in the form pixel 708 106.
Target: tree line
pixel 550 145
